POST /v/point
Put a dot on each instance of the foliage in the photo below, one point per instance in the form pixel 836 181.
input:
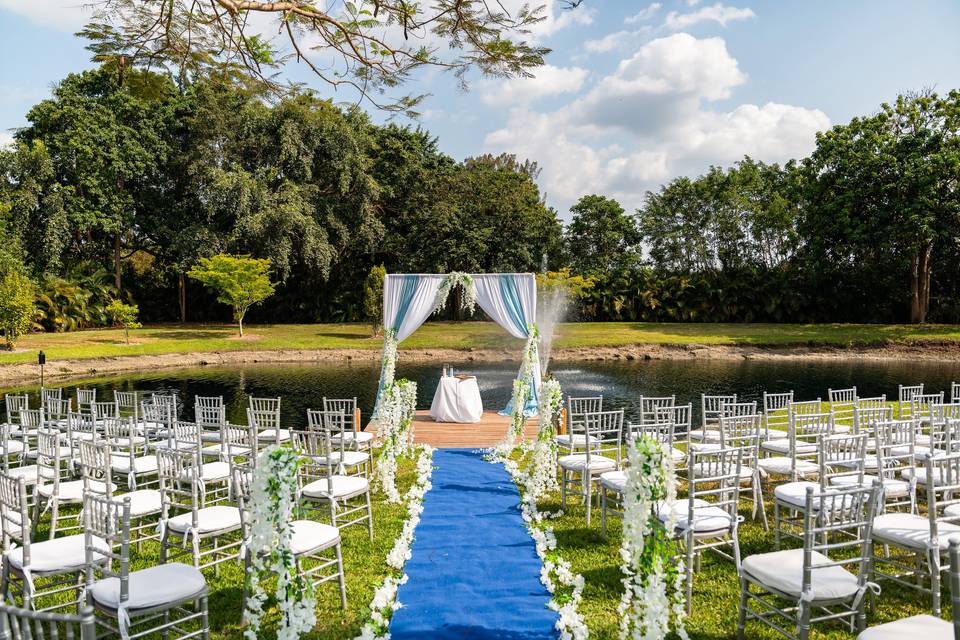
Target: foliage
pixel 373 297
pixel 241 281
pixel 77 301
pixel 124 315
pixel 17 295
pixel 601 236
pixel 371 50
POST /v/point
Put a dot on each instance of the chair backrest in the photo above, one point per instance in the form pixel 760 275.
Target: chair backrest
pixel 56 411
pixel 179 475
pixel 50 465
pixel 776 410
pixel 107 520
pixel 185 436
pixel 211 417
pixel 662 432
pixel 32 418
pixel 943 491
pixel 50 394
pixel 14 514
pixel 740 431
pixel 941 412
pixel 710 407
pixel 716 480
pixel 807 428
pixel 650 405
pixel 80 426
pixel 95 467
pixel 921 403
pixel 85 399
pixel 955 392
pixel 905 395
pixel 842 456
pixel 319 458
pixel 895 444
pixel 842 396
pixel 728 409
pixel 263 404
pixel 837 524
pixel 14 405
pixel 238 441
pixel 576 407
pixel 346 406
pixel 805 407
pixel 104 410
pixel 605 429
pixel 128 403
pixel 863 417
pixel 842 403
pixel 875 402
pixel 264 419
pixel 680 416
pixel 27 624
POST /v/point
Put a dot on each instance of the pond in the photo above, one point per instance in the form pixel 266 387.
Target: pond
pixel 620 382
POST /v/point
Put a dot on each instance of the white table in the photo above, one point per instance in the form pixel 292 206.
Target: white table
pixel 457 400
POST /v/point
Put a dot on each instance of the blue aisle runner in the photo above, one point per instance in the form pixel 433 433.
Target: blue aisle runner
pixel 474 572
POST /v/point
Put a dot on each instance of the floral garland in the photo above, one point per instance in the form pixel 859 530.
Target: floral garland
pixel 540 477
pixel 649 552
pixel 469 301
pixel 384 601
pixel 272 502
pixel 388 366
pixel 395 433
pixel 556 575
pixel 521 391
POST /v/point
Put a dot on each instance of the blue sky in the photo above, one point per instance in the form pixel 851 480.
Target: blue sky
pixel 635 93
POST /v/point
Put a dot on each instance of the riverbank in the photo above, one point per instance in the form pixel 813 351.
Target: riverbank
pixel 261 348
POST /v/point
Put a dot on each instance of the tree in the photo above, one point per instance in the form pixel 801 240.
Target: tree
pixel 241 281
pixel 373 297
pixel 17 294
pixel 371 49
pixel 601 236
pixel 125 316
pixel 884 192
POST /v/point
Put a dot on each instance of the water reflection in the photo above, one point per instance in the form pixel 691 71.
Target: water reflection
pixel 620 383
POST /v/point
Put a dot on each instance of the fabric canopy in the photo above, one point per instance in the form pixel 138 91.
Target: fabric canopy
pixel 510 299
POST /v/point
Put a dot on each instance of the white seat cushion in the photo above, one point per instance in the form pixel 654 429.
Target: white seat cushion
pixel 579 440
pixel 775 434
pixel 350 458
pixel 911 531
pixel 678 455
pixel 53 556
pixel 919 452
pixel 72 491
pixel 340 487
pixel 143 502
pixel 218 518
pixel 210 472
pixel 29 473
pixel 614 480
pixel 270 435
pixel 780 466
pixel 141 464
pixel 311 536
pixel 922 626
pixel 217 449
pixel 783 446
pixel 578 462
pixel 920 474
pixel 706 517
pixel 891 488
pixel 151 587
pixel 705 435
pixel 783 571
pixel 952 511
pixel 13 446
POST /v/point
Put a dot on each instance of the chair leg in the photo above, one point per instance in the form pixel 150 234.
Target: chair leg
pixel 54 516
pixel 205 618
pixel 933 563
pixel 742 610
pixel 563 488
pixel 689 570
pixel 340 577
pixel 776 525
pixel 369 517
pixel 603 512
pixel 587 494
pixel 803 621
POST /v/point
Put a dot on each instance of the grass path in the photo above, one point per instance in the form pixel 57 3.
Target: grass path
pixel 181 339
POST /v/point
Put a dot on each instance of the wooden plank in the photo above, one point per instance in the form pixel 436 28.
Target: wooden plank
pixel 489 432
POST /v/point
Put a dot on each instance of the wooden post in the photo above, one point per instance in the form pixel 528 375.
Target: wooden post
pixel 563 421
pixel 356 419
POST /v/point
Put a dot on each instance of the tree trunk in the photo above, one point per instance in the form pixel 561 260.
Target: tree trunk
pixel 920 273
pixel 240 322
pixel 116 261
pixel 182 294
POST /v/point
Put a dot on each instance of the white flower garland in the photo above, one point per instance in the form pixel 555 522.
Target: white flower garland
pixel 272 501
pixel 389 365
pixel 395 433
pixel 521 392
pixel 540 477
pixel 384 601
pixel 469 301
pixel 556 575
pixel 648 548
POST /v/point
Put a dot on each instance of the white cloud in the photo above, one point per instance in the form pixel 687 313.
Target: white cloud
pixel 610 42
pixel 62 15
pixel 644 14
pixel 649 121
pixel 719 13
pixel 547 81
pixel 558 17
pixel 6 139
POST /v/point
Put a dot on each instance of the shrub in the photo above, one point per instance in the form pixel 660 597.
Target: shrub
pixel 17 295
pixel 124 315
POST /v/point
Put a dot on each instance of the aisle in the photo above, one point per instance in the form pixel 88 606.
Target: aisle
pixel 474 572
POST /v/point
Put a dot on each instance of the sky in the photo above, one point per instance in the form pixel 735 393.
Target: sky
pixel 633 93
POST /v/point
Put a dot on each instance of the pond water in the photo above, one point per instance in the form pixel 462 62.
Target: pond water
pixel 620 383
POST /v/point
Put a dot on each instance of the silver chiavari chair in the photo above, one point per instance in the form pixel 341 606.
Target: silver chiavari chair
pixel 353 432
pixel 263 414
pixel 776 414
pixel 651 405
pixel 576 409
pixel 349 460
pixel 584 469
pixel 711 407
pixel 17 623
pixel 144 603
pixel 841 404
pixel 955 392
pixel 827 577
pixel 796 456
pixel 905 395
pixel 85 400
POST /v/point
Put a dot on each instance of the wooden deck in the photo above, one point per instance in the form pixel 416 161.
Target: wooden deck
pixel 489 432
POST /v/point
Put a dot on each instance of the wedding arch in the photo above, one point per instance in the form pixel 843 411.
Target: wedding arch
pixel 510 299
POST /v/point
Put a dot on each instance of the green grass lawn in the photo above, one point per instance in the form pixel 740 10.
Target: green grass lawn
pixel 364 564
pixel 163 339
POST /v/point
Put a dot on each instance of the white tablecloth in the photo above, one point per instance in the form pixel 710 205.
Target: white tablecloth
pixel 457 400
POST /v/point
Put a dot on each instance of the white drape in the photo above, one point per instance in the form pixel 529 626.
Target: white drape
pixel 491 298
pixel 415 309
